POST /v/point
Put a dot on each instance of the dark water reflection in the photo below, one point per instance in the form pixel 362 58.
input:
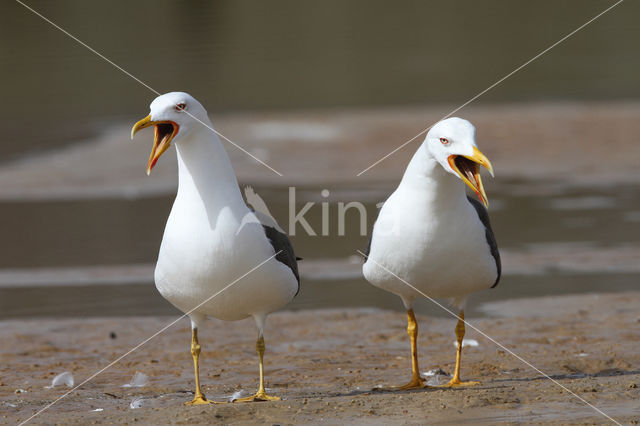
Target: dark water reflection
pixel 248 55
pixel 133 300
pixel 118 231
pixel 102 232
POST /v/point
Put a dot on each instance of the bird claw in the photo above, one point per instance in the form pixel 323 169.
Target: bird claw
pixel 457 383
pixel 201 400
pixel 415 383
pixel 198 400
pixel 258 397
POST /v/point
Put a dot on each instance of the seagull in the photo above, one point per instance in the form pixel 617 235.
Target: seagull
pixel 205 266
pixel 430 238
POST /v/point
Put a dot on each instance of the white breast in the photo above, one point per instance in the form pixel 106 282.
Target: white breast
pixel 198 261
pixel 207 261
pixel 433 240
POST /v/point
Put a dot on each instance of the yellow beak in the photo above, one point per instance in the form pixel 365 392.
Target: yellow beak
pixel 164 133
pixel 467 167
pixel 145 122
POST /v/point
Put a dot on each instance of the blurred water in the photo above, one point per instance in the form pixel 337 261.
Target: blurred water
pixel 243 55
pixel 248 55
pixel 527 220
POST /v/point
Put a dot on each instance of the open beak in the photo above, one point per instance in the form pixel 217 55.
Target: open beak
pixel 165 131
pixel 468 168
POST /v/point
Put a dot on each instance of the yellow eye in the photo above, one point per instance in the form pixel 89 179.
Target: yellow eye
pixel 444 141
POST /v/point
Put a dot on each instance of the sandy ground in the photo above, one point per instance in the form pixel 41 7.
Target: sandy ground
pixel 325 363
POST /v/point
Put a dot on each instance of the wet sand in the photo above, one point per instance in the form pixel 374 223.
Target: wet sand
pixel 324 363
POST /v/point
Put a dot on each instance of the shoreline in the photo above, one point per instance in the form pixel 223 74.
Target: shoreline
pixel 531 261
pixel 324 364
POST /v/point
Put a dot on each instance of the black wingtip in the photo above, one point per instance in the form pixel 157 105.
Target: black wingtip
pixel 491 239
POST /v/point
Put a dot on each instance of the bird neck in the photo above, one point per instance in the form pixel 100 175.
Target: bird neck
pixel 433 183
pixel 205 172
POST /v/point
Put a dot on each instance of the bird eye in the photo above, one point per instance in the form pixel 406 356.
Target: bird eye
pixel 444 141
pixel 180 107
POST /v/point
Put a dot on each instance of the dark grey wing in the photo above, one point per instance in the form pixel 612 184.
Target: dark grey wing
pixel 491 239
pixel 368 249
pixel 284 250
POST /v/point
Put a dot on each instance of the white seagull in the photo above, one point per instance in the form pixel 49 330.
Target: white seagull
pixel 205 266
pixel 430 238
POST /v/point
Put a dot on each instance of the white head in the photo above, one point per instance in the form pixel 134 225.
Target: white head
pixel 174 115
pixel 452 142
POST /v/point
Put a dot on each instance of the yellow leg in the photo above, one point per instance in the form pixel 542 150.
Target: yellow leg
pixel 416 381
pixel 455 380
pixel 261 395
pixel 198 398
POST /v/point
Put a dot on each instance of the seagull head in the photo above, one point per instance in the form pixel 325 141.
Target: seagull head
pixel 452 142
pixel 173 115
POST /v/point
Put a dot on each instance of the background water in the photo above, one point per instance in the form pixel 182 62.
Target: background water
pixel 244 55
pixel 239 55
pixel 120 232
